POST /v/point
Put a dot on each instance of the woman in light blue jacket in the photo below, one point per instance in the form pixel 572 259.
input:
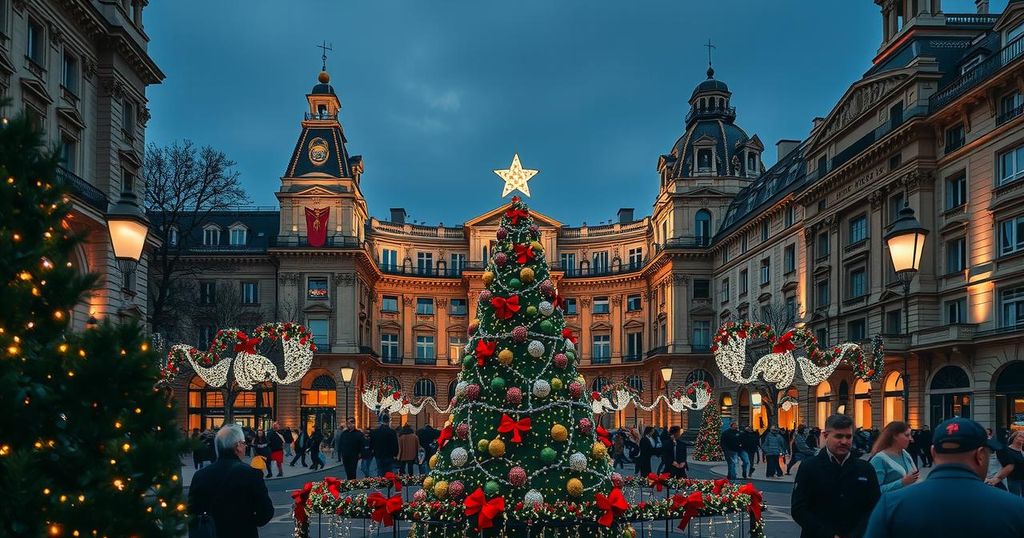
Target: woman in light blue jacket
pixel 893 465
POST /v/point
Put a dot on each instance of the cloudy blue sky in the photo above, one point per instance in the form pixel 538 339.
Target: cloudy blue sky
pixel 437 93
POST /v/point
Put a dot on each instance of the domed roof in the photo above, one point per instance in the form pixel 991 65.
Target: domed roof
pixel 725 137
pixel 710 85
pixel 324 86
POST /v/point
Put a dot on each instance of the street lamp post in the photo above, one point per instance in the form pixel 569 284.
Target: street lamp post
pixel 666 376
pixel 128 229
pixel 905 238
pixel 346 379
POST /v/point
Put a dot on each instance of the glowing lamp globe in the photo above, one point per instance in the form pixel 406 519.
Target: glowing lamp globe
pixel 128 228
pixel 905 238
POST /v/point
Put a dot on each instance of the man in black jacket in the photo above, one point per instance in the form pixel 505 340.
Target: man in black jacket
pixel 675 453
pixel 229 491
pixel 834 491
pixel 428 440
pixel 349 445
pixel 732 447
pixel 301 446
pixel 384 442
pixel 751 443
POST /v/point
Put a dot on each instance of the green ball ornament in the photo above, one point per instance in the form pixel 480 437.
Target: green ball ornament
pixel 547 327
pixel 468 361
pixel 481 445
pixel 548 455
pixel 491 488
pixel 498 383
pixel 514 283
pixel 531 310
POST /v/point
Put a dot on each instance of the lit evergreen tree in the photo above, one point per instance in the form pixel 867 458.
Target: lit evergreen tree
pixel 709 438
pixel 86 443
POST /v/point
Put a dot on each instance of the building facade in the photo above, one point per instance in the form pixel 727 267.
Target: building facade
pixel 935 124
pixel 79 69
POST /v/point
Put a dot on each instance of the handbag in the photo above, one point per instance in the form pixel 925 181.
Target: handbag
pixel 202 526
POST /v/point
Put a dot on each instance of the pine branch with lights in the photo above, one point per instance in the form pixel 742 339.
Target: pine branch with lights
pixel 709 439
pixel 86 444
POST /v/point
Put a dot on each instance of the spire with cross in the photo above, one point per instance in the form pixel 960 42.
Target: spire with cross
pixel 325 47
pixel 711 70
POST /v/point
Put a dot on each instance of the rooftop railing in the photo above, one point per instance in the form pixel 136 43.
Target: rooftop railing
pixel 975 76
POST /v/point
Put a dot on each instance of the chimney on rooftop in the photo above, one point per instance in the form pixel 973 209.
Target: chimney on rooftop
pixel 398 215
pixel 625 215
pixel 982 6
pixel 784 147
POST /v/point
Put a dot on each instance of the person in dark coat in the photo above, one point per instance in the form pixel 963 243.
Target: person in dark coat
pixel 751 443
pixel 732 448
pixel 428 439
pixel 675 453
pixel 925 447
pixel 384 442
pixel 646 452
pixel 365 454
pixel 314 450
pixel 834 491
pixel 229 491
pixel 350 445
pixel 954 500
pixel 301 446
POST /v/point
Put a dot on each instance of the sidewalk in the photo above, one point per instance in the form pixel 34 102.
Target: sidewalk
pixel 188 470
pixel 721 469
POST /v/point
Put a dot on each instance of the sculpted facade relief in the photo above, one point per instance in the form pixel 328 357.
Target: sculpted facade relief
pixel 860 101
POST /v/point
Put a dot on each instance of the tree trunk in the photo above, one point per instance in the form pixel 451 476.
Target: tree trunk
pixel 230 393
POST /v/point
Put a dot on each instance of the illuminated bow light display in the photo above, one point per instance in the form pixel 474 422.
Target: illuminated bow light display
pixel 381 398
pixel 613 397
pixel 695 396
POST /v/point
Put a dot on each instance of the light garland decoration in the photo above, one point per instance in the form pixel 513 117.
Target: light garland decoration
pixel 250 368
pixel 695 396
pixel 612 397
pixel 788 402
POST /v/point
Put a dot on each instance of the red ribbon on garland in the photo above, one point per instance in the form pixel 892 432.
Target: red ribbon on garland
pixel 517 427
pixel 755 499
pixel 300 497
pixel 477 503
pixel 247 345
pixel 395 482
pixel 524 253
pixel 691 506
pixel 514 214
pixel 719 484
pixel 333 485
pixel 657 480
pixel 784 343
pixel 505 308
pixel 384 508
pixel 612 505
pixel 484 350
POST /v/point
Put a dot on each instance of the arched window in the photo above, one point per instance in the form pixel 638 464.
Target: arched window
pixel 451 389
pixel 1009 398
pixel 702 227
pixel 745 417
pixel 423 388
pixel 636 383
pixel 824 406
pixel 950 394
pixel 862 404
pixel 752 162
pixel 892 406
pixel 599 384
pixel 950 377
pixel 700 375
pixel 322 392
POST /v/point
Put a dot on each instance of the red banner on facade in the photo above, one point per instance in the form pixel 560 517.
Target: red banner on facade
pixel 316 226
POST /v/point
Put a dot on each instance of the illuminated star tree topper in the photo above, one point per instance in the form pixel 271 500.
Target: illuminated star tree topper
pixel 515 177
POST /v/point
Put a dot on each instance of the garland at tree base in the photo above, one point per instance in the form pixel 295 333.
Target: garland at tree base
pixel 613 514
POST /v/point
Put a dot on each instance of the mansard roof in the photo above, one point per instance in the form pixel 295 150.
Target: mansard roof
pixel 786 176
pixel 262 227
pixel 318 138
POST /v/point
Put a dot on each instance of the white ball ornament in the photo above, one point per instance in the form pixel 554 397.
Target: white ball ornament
pixel 541 388
pixel 546 308
pixel 459 456
pixel 578 462
pixel 535 348
pixel 569 344
pixel 533 497
pixel 460 388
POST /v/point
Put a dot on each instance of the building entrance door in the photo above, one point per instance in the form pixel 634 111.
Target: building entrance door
pixel 1010 400
pixel 324 418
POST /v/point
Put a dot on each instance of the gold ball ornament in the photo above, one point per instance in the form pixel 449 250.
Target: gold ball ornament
pixel 574 487
pixel 323 77
pixel 488 277
pixel 433 461
pixel 496 448
pixel 505 356
pixel 556 383
pixel 559 433
pixel 599 451
pixel 428 482
pixel 441 489
pixel 535 245
pixel 526 274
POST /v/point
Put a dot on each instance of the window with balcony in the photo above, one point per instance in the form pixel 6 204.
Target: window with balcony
pixel 207 293
pixel 956 311
pixel 602 349
pixel 1012 307
pixel 822 245
pixel 633 303
pixel 725 291
pixel 956 190
pixel 744 282
pixel 425 349
pixel 701 288
pixel 316 288
pixel 69 72
pixel 1010 106
pixel 956 255
pixel 321 337
pixel 211 236
pixel 1011 235
pixel 69 153
pixel 789 259
pixel 250 293
pixel 893 322
pixel 600 265
pixel 568 262
pixel 389 259
pixel 858 229
pixel 766 271
pixel 601 305
pixel 458 307
pixel 821 293
pixel 389 347
pixel 701 335
pixel 424 263
pixel 858 283
pixel 35 47
pixel 569 306
pixel 389 303
pixel 239 234
pixel 458 264
pixel 955 138
pixel 856 330
pixel 1014 33
pixel 1011 165
pixel 425 306
pixel 636 258
pixel 634 346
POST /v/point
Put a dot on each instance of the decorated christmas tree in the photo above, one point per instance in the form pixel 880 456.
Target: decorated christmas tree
pixel 87 447
pixel 522 428
pixel 709 438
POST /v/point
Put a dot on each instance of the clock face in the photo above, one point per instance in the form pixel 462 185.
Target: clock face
pixel 318 151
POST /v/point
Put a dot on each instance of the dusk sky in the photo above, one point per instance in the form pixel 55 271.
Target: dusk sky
pixel 437 93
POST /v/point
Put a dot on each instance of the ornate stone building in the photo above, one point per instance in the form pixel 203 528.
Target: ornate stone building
pixel 935 123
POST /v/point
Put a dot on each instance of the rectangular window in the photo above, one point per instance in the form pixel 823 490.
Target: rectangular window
pixel 211 236
pixel 1013 33
pixel 601 305
pixel 238 236
pixel 701 335
pixel 389 303
pixel 790 215
pixel 822 245
pixel 858 283
pixel 895 161
pixel 956 190
pixel 765 229
pixel 172 237
pixel 389 346
pixel 744 282
pixel 791 313
pixel 725 291
pixel 36 45
pixel 206 334
pixel 458 264
pixel 896 115
pixel 896 202
pixel 1011 165
pixel 424 263
pixel 822 335
pixel 789 259
pixel 316 288
pixel 766 271
pixel 602 350
pixel 425 306
pixel 389 259
pixel 600 265
pixel 858 229
pixel 1012 302
pixel 632 303
pixel 69 153
pixel 207 293
pixel 569 307
pixel 250 293
pixel 856 330
pixel 1009 105
pixel 701 288
pixel 456 344
pixel 636 258
pixel 319 329
pixel 743 243
pixel 1011 235
pixel 955 138
pixel 956 255
pixel 634 346
pixel 956 311
pixel 893 319
pixel 458 308
pixel 821 293
pixel 725 253
pixel 822 165
pixel 128 182
pixel 568 261
pixel 128 119
pixel 69 72
pixel 424 349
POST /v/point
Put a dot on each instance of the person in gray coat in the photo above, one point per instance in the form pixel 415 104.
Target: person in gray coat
pixel 773 445
pixel 801 450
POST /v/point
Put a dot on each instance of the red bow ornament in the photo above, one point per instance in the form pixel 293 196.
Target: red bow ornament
pixel 755 499
pixel 300 497
pixel 691 507
pixel 477 503
pixel 247 345
pixel 384 508
pixel 657 480
pixel 395 482
pixel 567 334
pixel 484 350
pixel 333 485
pixel 524 253
pixel 604 436
pixel 784 343
pixel 719 484
pixel 514 214
pixel 612 505
pixel 505 308
pixel 444 437
pixel 517 427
